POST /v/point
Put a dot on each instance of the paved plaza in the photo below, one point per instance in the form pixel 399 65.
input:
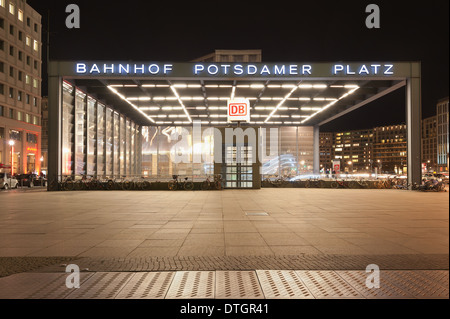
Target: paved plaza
pixel 266 222
pixel 303 238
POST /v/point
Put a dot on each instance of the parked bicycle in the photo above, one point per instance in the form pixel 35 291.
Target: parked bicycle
pixel 314 182
pixel 88 183
pixel 362 183
pixel 274 180
pixel 177 183
pixel 67 183
pixel 406 186
pixel 430 186
pixel 141 183
pixel 212 184
pixel 340 184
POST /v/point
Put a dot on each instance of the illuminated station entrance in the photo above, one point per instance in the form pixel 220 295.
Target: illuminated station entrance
pixel 157 119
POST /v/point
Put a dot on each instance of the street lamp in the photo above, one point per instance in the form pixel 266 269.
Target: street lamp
pixel 11 143
pixel 379 165
pixel 350 165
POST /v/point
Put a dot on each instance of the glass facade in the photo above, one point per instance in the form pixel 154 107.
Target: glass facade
pixel 100 147
pixel 109 141
pixel 99 141
pixel 287 150
pixel 171 150
pixel 96 140
pixel 443 136
pixel 80 136
pixel 67 129
pixel 239 170
pixel 92 137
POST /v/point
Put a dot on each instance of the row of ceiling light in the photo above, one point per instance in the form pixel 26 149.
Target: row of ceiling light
pixel 251 86
pixel 277 107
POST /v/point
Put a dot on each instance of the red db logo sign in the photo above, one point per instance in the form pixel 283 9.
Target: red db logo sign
pixel 238 110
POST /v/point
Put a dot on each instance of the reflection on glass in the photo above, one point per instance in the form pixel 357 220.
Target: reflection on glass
pixel 80 123
pixel 172 150
pixel 109 142
pixel 100 139
pixel 67 128
pixel 92 137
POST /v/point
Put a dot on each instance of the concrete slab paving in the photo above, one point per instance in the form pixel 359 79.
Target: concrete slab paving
pixel 164 223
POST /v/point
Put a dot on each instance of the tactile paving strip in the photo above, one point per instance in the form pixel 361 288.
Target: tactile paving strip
pixel 387 290
pixel 36 285
pixel 327 284
pixel 425 285
pixel 438 276
pixel 192 284
pixel 147 285
pixel 228 284
pixel 282 284
pixel 102 285
pixel 237 285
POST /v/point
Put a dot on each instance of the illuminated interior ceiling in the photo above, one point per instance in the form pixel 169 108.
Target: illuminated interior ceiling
pixel 274 102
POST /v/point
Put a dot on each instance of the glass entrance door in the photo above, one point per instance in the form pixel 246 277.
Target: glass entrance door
pixel 238 166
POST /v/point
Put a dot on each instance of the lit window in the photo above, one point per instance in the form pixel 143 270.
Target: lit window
pixel 2 3
pixel 28 41
pixel 35 83
pixel 35 120
pixel 35 45
pixel 27 79
pixel 20 15
pixel 27 118
pixel 19 116
pixel 12 8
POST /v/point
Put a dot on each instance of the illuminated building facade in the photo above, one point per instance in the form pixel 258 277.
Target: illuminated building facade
pixel 381 149
pixel 326 150
pixel 20 87
pixel 442 135
pixel 158 119
pixel 389 148
pixel 429 143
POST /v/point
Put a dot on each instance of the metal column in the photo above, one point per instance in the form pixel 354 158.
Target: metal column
pixel 54 127
pixel 316 150
pixel 413 124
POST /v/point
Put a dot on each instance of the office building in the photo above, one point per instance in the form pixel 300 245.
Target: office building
pixel 20 86
pixel 442 135
pixel 429 144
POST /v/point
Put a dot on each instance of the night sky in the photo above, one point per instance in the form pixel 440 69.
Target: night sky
pixel 285 31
